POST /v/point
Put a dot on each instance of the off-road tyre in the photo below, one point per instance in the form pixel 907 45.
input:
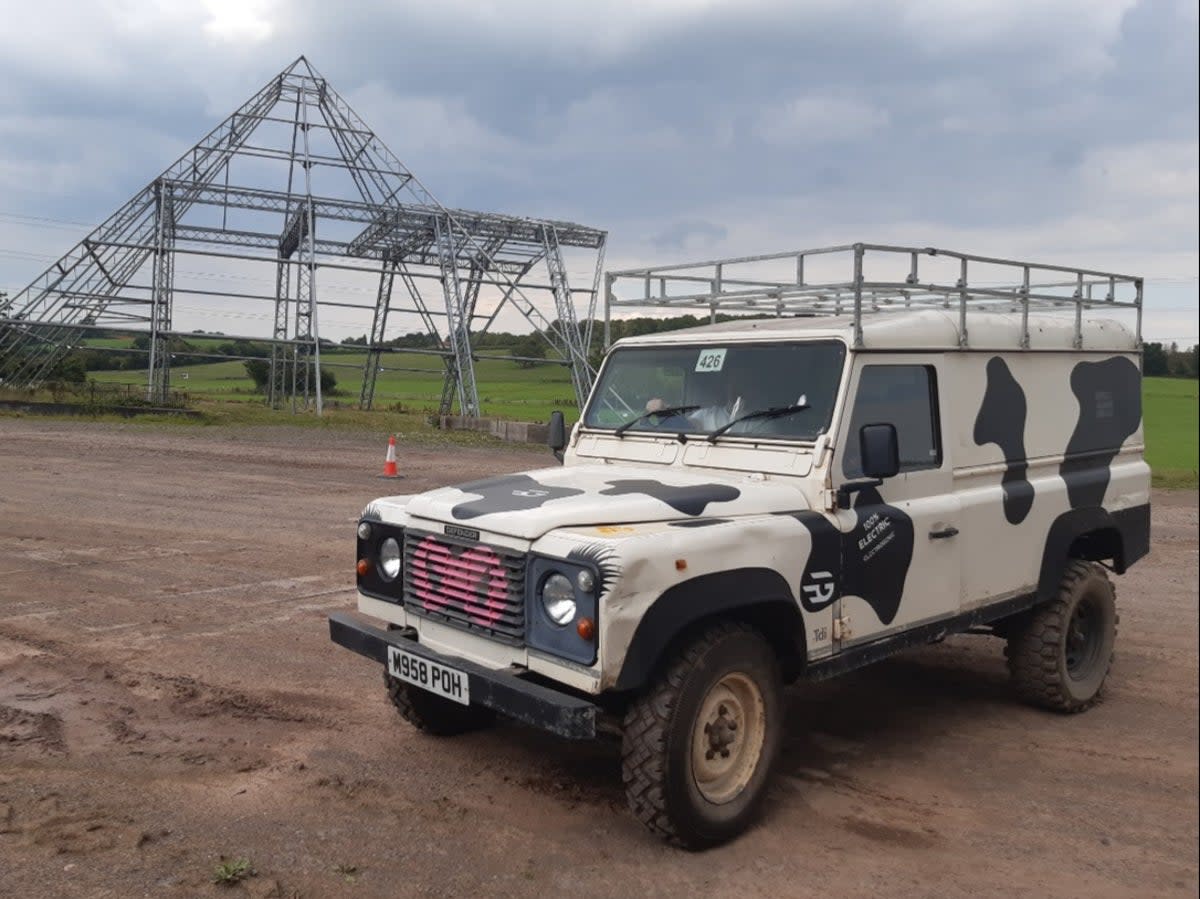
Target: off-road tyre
pixel 432 714
pixel 1053 663
pixel 661 726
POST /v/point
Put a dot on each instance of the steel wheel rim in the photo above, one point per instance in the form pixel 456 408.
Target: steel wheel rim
pixel 1081 643
pixel 728 737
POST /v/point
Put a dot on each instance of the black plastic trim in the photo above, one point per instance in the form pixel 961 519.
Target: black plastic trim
pixel 857 656
pixel 533 704
pixel 703 597
pixel 1131 527
pixel 1134 526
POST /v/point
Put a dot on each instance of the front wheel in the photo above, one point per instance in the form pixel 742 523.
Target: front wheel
pixel 1060 654
pixel 700 744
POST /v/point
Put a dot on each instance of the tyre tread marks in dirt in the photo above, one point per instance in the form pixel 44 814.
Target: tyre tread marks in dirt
pixel 1034 651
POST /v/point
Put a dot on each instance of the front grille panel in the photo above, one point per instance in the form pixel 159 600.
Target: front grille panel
pixel 471 585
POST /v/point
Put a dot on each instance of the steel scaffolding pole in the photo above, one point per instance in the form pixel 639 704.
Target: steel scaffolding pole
pixel 474 282
pixel 378 327
pixel 457 324
pixel 278 375
pixel 573 348
pixel 308 334
pixel 161 297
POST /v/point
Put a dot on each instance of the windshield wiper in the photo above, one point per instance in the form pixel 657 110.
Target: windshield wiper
pixel 667 410
pixel 776 412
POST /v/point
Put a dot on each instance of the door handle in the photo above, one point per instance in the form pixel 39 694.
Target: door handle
pixel 943 533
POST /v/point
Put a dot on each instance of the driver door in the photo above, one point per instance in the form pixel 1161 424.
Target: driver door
pixel 900 558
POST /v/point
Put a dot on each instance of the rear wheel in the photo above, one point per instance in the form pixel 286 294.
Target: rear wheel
pixel 432 714
pixel 1060 655
pixel 699 745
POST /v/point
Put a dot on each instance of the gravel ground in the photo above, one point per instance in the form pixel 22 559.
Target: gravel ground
pixel 169 696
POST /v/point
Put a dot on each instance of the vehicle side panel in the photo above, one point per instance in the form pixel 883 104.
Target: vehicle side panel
pixel 1040 436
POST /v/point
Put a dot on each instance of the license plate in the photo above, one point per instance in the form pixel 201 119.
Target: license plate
pixel 432 676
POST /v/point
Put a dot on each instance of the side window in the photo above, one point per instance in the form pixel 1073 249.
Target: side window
pixel 902 395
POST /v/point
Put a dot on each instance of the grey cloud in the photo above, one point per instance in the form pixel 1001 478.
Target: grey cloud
pixel 674 133
pixel 689 235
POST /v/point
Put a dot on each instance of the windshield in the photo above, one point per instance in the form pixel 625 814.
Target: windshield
pixel 698 389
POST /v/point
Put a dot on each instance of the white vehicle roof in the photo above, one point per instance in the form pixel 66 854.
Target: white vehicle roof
pixel 930 329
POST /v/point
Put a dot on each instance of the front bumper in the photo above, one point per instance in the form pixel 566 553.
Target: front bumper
pixel 502 691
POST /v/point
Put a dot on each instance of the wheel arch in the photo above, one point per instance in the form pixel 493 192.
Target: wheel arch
pixel 759 597
pixel 1093 534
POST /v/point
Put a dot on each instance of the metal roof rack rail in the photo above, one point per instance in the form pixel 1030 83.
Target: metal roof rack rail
pixel 880 278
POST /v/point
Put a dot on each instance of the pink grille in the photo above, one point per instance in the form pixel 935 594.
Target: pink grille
pixel 469 584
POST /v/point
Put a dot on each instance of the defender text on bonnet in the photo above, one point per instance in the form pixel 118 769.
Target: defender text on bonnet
pixel 894 457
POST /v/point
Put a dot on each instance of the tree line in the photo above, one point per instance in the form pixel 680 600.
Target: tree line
pixel 534 346
pixel 1170 361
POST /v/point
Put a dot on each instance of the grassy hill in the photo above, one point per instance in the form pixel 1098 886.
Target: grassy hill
pixel 505 389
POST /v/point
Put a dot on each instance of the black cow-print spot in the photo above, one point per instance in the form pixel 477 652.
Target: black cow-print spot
pixel 510 493
pixel 1110 409
pixel 876 555
pixel 690 500
pixel 1001 421
pixel 871 561
pixel 821 581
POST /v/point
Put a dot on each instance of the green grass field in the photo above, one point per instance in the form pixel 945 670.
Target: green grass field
pixel 1170 410
pixel 505 390
pixel 529 394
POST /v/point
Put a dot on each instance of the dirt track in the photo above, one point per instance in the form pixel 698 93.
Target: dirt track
pixel 169 694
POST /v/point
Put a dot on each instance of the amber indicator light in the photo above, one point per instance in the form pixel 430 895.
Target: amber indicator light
pixel 363 567
pixel 586 628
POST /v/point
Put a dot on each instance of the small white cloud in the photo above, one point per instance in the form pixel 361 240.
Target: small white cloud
pixel 240 21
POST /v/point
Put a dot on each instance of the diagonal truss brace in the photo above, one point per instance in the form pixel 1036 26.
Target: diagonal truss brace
pixel 94 275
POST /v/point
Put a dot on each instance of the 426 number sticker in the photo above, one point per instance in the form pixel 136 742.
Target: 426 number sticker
pixel 710 360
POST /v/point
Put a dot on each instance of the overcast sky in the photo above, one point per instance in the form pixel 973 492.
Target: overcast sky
pixel 1064 132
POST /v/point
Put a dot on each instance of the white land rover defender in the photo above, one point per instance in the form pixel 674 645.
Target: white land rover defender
pixel 748 504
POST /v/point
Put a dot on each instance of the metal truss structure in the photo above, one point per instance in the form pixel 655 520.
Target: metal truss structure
pixel 342 202
pixel 861 279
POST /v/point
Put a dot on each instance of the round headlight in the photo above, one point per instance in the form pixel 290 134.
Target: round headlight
pixel 558 599
pixel 389 559
pixel 585 581
pixel 364 530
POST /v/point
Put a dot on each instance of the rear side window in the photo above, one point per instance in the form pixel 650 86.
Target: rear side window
pixel 902 395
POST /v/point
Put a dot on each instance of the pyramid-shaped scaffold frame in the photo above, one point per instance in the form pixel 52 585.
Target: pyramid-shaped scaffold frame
pixel 380 219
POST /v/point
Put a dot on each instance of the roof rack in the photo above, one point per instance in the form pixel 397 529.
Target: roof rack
pixel 882 278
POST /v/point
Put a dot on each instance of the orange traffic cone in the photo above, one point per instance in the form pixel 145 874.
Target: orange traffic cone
pixel 389 463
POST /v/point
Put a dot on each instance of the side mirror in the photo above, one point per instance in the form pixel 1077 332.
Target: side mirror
pixel 879 450
pixel 556 439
